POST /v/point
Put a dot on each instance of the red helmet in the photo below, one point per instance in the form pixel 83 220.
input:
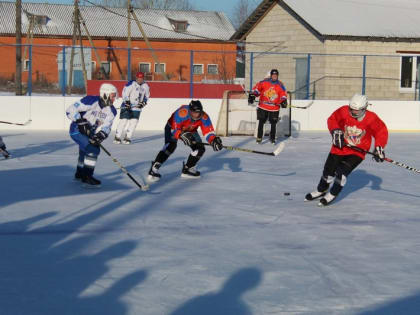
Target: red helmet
pixel 140 75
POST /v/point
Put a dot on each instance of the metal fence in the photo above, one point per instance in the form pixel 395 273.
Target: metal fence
pixel 307 75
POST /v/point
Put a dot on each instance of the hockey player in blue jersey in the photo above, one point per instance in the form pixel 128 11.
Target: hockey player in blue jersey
pixel 135 95
pixel 92 118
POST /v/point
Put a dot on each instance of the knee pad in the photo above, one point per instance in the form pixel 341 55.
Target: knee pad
pixel 92 150
pixel 169 148
pixel 198 150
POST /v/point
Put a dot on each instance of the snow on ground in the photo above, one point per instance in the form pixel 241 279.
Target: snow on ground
pixel 228 243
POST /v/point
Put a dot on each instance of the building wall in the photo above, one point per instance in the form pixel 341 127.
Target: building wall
pixel 279 32
pixel 335 77
pixel 177 63
pixel 382 72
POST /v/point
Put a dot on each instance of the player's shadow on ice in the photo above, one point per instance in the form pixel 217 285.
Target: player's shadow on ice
pixel 46 270
pixel 408 306
pixel 360 179
pixel 43 148
pixel 146 139
pixel 228 300
pixel 30 184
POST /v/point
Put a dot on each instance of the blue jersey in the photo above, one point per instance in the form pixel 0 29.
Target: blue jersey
pixel 99 117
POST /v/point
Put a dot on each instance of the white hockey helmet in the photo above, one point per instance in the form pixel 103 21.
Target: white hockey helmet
pixel 358 104
pixel 105 92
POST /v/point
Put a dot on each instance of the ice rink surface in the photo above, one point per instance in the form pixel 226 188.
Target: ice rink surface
pixel 229 243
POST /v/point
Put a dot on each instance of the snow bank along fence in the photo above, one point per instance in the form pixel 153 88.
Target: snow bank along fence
pixel 48 113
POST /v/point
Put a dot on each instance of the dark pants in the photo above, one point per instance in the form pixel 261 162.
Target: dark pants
pixel 273 118
pixel 88 154
pixel 127 113
pixel 2 145
pixel 336 169
pixel 171 144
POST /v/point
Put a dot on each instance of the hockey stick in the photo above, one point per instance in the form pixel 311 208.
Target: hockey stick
pixel 17 124
pixel 386 159
pixel 303 107
pixel 276 151
pixel 143 187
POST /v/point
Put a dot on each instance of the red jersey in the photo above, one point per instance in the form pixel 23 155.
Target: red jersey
pixel 271 94
pixel 357 133
pixel 181 121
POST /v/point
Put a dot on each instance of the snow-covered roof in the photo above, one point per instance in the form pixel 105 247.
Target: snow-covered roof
pixel 360 18
pixel 202 25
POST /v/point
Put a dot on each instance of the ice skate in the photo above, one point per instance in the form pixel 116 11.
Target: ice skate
pixel 126 141
pixel 189 172
pixel 117 140
pixel 5 153
pixel 78 176
pixel 91 182
pixel 326 200
pixel 259 140
pixel 273 141
pixel 154 175
pixel 314 195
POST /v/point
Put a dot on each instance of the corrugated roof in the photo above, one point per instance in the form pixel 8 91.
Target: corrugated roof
pixel 347 18
pixel 371 18
pixel 203 25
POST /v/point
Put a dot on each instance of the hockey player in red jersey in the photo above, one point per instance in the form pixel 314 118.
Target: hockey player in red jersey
pixel 183 124
pixel 349 125
pixel 272 95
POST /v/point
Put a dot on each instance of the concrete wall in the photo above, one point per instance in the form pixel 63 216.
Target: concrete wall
pixel 48 113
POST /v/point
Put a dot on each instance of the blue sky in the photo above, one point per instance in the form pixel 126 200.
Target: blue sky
pixel 225 6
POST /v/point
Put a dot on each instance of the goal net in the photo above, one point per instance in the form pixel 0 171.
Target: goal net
pixel 238 118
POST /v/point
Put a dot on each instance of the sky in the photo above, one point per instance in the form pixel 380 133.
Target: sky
pixel 214 5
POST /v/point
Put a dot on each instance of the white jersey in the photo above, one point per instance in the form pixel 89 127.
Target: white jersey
pixel 100 118
pixel 136 93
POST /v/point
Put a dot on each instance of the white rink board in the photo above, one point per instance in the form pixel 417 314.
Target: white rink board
pixel 48 113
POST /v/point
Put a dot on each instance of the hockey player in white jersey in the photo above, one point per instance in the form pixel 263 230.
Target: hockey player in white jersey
pixel 135 95
pixel 92 118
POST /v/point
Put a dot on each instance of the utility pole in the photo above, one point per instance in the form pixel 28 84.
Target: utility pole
pixel 18 72
pixel 129 40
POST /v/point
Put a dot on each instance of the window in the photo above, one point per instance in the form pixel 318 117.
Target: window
pixel 144 67
pixel 198 69
pixel 410 66
pixel 26 65
pixel 106 65
pixel 161 68
pixel 178 25
pixel 212 69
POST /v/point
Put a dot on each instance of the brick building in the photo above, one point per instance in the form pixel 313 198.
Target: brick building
pixel 190 45
pixel 349 46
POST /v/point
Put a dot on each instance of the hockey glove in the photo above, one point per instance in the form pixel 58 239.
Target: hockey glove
pixel 141 105
pixel 83 126
pixel 379 154
pixel 217 144
pixel 97 138
pixel 251 98
pixel 126 105
pixel 283 104
pixel 338 138
pixel 187 137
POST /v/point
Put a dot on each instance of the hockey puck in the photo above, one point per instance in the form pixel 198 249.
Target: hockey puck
pixel 287 194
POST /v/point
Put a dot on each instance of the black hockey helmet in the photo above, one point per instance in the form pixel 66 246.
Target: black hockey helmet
pixel 274 71
pixel 196 106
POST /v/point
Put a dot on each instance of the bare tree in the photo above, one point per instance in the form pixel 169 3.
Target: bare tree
pixel 242 10
pixel 150 4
